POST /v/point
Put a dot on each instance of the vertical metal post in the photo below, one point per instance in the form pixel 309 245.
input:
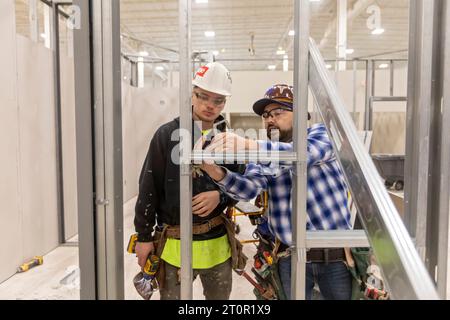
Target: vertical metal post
pixel 444 146
pixel 355 89
pixel 301 80
pixel 58 122
pixel 185 164
pixel 418 122
pixel 374 69
pixel 108 148
pixel 85 155
pixel 369 92
pixel 391 78
pixel 98 104
pixel 441 175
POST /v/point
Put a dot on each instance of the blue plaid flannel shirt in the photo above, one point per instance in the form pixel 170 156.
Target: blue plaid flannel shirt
pixel 327 205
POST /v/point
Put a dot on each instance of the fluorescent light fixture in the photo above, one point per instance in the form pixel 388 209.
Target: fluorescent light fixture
pixel 383 66
pixel 144 54
pixel 378 31
pixel 314 0
pixel 281 52
pixel 272 67
pixel 210 34
pixel 215 52
pixel 349 51
pixel 159 68
pixel 329 66
pixel 201 1
pixel 292 33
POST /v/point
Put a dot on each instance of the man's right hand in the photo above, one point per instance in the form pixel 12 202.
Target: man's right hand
pixel 143 250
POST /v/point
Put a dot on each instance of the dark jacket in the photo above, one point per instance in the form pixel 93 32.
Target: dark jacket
pixel 159 186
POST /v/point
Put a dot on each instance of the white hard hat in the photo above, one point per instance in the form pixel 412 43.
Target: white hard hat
pixel 214 77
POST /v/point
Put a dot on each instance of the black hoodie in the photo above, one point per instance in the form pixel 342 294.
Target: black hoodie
pixel 159 186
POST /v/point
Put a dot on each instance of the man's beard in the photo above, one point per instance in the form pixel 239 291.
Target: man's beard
pixel 275 134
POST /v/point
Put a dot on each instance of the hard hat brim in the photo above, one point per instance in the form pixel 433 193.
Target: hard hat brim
pixel 221 92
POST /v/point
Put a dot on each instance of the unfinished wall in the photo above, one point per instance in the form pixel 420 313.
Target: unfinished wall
pixel 10 218
pixel 28 192
pixel 38 192
pixel 144 110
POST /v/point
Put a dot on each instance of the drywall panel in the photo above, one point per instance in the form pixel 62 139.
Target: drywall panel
pixel 10 220
pixel 152 108
pixel 144 111
pixel 69 146
pixel 38 191
pixel 389 133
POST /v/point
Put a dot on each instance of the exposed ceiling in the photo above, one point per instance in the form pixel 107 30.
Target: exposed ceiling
pixel 235 21
pixel 155 23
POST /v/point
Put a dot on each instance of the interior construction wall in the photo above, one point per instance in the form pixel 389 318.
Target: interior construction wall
pixel 37 149
pixel 11 242
pixel 144 110
pixel 28 188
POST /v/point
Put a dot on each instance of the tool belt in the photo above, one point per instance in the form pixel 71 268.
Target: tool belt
pixel 238 258
pixel 317 255
pixel 325 255
pixel 173 232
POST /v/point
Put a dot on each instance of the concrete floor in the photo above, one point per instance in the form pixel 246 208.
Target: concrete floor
pixel 58 277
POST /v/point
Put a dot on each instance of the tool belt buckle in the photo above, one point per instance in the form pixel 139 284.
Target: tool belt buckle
pixel 209 225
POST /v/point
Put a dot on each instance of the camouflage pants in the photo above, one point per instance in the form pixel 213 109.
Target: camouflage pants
pixel 217 282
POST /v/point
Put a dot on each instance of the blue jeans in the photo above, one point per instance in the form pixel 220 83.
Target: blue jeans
pixel 334 279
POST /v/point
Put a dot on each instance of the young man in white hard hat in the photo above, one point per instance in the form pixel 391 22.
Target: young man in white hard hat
pixel 157 212
pixel 326 198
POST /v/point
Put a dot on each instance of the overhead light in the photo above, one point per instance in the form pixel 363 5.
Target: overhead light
pixel 281 52
pixel 43 35
pixel 215 52
pixel 383 66
pixel 292 33
pixel 349 51
pixel 201 1
pixel 378 31
pixel 159 68
pixel 329 66
pixel 210 34
pixel 223 50
pixel 272 67
pixel 314 0
pixel 144 54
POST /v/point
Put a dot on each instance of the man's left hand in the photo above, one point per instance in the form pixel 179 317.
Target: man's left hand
pixel 204 203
